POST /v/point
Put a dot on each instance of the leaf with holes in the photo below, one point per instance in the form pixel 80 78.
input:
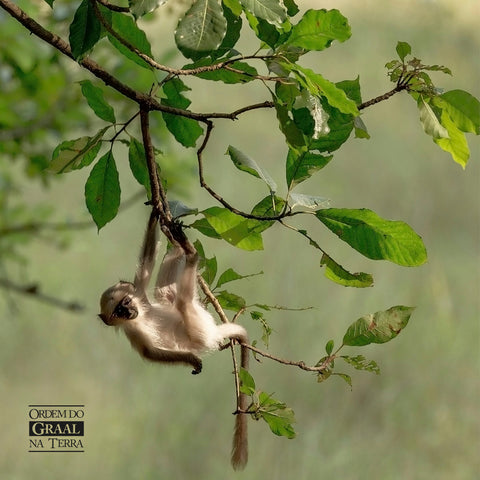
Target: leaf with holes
pixel 379 327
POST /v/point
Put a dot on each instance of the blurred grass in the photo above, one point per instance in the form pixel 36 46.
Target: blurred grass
pixel 418 420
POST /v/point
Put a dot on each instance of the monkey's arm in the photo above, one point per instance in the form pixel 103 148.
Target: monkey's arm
pixel 147 255
pixel 172 356
pixel 165 286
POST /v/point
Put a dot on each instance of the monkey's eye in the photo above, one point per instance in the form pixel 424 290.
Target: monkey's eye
pixel 122 309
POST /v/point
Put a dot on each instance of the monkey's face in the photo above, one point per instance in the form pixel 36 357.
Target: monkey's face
pixel 117 304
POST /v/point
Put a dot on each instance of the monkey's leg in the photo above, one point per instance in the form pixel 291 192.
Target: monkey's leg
pixel 147 255
pixel 173 356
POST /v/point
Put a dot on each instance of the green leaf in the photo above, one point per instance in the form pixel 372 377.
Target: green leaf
pixel 231 275
pixel 97 103
pixel 317 85
pixel 125 26
pixel 271 11
pixel 264 31
pixel 266 329
pixel 375 237
pixel 50 2
pixel 75 154
pixel 234 6
pixel 102 191
pixel 292 8
pixel 456 143
pixel 360 128
pixel 185 130
pixel 270 206
pixel 278 417
pixel 462 108
pixel 247 383
pixel 139 8
pixel 85 30
pixel 329 347
pixel 336 273
pixel 202 29
pixel 236 230
pixel 301 165
pixel 225 76
pixel 230 301
pixel 138 164
pixel 246 164
pixel 210 270
pixel 379 327
pixel 205 228
pixel 429 120
pixel 318 29
pixel 341 127
pixel 403 49
pixel 345 377
pixel 359 362
pixel 232 35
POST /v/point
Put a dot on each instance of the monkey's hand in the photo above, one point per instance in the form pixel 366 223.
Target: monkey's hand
pixel 197 365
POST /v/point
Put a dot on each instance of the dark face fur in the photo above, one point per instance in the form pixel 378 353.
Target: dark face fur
pixel 117 305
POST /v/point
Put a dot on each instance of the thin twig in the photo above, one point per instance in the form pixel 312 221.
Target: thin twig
pixel 300 364
pixel 142 99
pixel 114 8
pixel 212 299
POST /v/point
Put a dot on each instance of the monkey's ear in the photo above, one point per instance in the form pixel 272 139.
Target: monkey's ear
pixel 104 318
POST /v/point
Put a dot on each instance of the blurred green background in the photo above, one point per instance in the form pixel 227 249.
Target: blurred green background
pixel 418 420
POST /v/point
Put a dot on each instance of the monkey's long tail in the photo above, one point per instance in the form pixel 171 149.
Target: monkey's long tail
pixel 240 434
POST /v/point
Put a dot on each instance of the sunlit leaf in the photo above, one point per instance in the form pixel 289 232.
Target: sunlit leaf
pixel 462 108
pixel 431 124
pixel 317 85
pixel 375 237
pixel 456 143
pixel 318 29
pixel 236 230
pixel 338 274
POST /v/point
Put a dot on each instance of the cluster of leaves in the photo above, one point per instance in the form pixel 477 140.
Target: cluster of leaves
pixel 380 327
pixel 447 116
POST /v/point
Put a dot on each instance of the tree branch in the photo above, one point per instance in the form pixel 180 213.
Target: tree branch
pixel 34 291
pixel 300 364
pixel 144 100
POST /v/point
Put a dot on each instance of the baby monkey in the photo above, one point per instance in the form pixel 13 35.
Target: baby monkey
pixel 175 328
